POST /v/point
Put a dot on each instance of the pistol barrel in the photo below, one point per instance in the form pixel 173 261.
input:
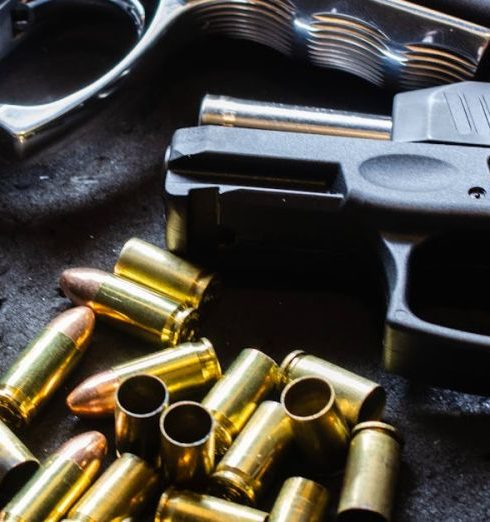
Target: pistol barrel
pixel 234 112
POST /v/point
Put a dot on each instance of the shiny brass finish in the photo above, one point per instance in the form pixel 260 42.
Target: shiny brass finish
pixel 133 307
pixel 186 369
pixel 320 429
pixel 185 506
pixel 17 463
pixel 246 468
pixel 300 500
pixel 235 397
pixel 371 473
pixel 140 401
pixel 44 364
pixel 359 399
pixel 61 480
pixel 166 273
pixel 122 491
pixel 188 445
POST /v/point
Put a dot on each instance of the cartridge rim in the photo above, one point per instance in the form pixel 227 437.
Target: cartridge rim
pixel 287 363
pixel 373 405
pixel 171 429
pixel 211 366
pixel 293 398
pixel 380 426
pixel 183 325
pixel 10 411
pixel 127 399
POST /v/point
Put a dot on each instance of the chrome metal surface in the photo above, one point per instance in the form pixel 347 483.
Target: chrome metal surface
pixel 387 42
pixel 233 112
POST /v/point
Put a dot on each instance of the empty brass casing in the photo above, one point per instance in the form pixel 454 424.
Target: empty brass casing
pixel 185 506
pixel 359 399
pixel 371 473
pixel 300 500
pixel 235 397
pixel 130 306
pixel 44 364
pixel 320 429
pixel 17 463
pixel 166 273
pixel 122 491
pixel 60 481
pixel 140 401
pixel 188 446
pixel 246 468
pixel 186 369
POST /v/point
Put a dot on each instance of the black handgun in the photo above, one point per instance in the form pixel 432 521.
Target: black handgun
pixel 419 205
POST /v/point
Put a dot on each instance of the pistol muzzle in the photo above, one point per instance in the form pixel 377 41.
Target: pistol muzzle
pixel 246 468
pixel 166 273
pixel 185 506
pixel 358 398
pixel 60 481
pixel 17 463
pixel 188 445
pixel 133 307
pixel 371 473
pixel 140 401
pixel 122 491
pixel 44 364
pixel 319 427
pixel 186 369
pixel 300 500
pixel 235 397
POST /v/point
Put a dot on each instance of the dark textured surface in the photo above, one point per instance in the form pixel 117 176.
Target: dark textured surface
pixel 76 203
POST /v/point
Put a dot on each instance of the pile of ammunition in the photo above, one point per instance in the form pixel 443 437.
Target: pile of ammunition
pixel 213 459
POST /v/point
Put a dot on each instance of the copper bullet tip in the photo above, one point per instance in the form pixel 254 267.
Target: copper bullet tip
pixel 81 285
pixel 76 323
pixel 85 450
pixel 94 396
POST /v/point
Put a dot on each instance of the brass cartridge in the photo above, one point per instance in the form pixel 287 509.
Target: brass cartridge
pixel 188 446
pixel 235 397
pixel 371 473
pixel 358 398
pixel 166 273
pixel 132 307
pixel 185 506
pixel 320 429
pixel 186 369
pixel 122 491
pixel 17 463
pixel 246 468
pixel 60 481
pixel 44 364
pixel 140 401
pixel 300 500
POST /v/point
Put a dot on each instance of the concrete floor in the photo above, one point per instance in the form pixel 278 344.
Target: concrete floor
pixel 76 203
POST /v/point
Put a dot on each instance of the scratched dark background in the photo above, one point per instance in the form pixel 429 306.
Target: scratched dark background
pixel 77 202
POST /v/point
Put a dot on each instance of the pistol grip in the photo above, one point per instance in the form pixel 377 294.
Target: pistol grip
pixel 419 349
